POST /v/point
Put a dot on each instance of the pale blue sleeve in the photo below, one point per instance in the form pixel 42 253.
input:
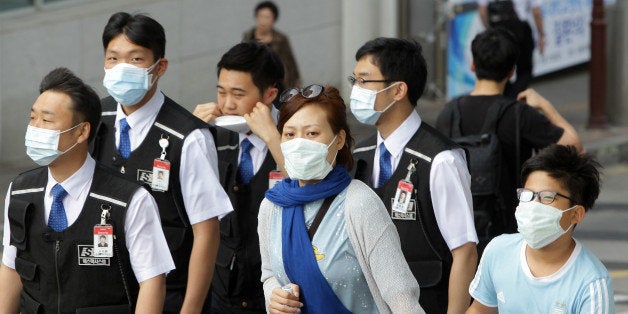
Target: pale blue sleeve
pixel 482 288
pixel 597 297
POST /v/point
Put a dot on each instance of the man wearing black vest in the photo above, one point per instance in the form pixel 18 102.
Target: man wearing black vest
pixel 494 56
pixel 143 133
pixel 249 75
pixel 55 215
pixel 436 229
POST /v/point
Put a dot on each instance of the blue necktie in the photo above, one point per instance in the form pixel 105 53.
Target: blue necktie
pixel 384 165
pixel 125 143
pixel 245 169
pixel 57 219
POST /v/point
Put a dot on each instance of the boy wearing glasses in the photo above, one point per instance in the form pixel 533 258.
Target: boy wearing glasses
pixel 436 228
pixel 249 76
pixel 542 268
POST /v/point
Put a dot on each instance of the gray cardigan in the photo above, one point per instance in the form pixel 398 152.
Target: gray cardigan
pixel 375 241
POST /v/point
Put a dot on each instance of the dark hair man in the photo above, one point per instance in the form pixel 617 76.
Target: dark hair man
pixel 248 78
pixel 49 237
pixel 550 271
pixel 494 54
pixel 144 132
pixel 437 232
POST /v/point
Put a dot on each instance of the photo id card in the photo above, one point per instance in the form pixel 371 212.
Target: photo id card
pixel 161 175
pixel 103 241
pixel 402 196
pixel 274 177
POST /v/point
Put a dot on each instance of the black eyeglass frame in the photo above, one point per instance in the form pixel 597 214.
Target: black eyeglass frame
pixel 361 81
pixel 536 195
pixel 309 92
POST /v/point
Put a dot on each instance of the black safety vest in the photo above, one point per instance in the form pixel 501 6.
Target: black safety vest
pixel 57 269
pixel 174 123
pixel 238 264
pixel 422 244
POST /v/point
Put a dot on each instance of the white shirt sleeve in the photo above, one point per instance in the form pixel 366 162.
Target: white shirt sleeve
pixel 203 196
pixel 145 240
pixel 8 251
pixel 482 2
pixel 450 184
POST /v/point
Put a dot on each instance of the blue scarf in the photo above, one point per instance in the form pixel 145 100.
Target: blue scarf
pixel 298 255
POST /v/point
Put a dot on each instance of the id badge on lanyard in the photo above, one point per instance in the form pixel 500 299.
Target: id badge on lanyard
pixel 103 235
pixel 161 168
pixel 403 194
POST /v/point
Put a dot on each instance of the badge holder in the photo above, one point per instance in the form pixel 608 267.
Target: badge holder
pixel 274 177
pixel 103 235
pixel 404 191
pixel 161 168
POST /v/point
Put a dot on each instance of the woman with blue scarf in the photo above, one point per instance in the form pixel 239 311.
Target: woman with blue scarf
pixel 326 239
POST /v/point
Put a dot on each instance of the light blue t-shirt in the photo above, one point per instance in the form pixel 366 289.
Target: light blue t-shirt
pixel 504 280
pixel 334 253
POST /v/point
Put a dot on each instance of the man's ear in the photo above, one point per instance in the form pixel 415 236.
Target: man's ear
pixel 578 214
pixel 472 66
pixel 85 129
pixel 269 95
pixel 401 90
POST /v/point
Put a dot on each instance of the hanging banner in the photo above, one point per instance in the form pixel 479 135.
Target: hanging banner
pixel 567 31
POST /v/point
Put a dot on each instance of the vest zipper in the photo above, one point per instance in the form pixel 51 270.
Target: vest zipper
pixel 57 274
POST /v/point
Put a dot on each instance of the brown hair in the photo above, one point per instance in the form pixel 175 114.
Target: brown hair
pixel 331 102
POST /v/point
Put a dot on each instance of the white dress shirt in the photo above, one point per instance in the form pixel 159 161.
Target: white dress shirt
pixel 203 196
pixel 522 7
pixel 145 241
pixel 450 183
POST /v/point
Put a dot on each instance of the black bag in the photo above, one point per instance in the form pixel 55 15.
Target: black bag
pixel 501 12
pixel 485 166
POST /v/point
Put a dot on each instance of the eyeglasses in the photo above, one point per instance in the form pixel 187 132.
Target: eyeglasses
pixel 361 81
pixel 545 197
pixel 309 92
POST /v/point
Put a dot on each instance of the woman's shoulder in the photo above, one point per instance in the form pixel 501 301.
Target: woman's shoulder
pixel 361 198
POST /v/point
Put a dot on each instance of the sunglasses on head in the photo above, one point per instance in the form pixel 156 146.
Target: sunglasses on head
pixel 308 92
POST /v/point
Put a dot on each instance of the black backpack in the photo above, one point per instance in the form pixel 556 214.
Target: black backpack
pixel 501 12
pixel 485 166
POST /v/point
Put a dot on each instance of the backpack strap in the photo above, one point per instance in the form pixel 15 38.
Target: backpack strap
pixel 454 130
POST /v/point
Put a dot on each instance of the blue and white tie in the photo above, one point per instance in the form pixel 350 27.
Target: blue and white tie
pixel 125 143
pixel 245 168
pixel 57 220
pixel 384 165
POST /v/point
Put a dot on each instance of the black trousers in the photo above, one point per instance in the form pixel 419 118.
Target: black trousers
pixel 525 42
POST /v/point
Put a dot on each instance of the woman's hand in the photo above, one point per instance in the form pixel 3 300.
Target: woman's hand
pixel 282 301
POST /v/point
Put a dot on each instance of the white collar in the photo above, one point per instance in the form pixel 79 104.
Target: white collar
pixel 77 182
pixel 399 138
pixel 142 119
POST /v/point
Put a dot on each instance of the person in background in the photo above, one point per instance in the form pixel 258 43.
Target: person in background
pixel 50 213
pixel 524 11
pixel 437 232
pixel 327 242
pixel 266 14
pixel 543 269
pixel 540 124
pixel 248 78
pixel 143 132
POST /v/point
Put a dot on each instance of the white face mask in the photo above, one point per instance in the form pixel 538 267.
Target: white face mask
pixel 539 223
pixel 363 104
pixel 306 159
pixel 42 144
pixel 128 84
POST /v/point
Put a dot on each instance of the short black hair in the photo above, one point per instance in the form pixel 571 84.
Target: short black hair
pixel 268 5
pixel 578 173
pixel 140 29
pixel 495 54
pixel 85 102
pixel 398 60
pixel 257 59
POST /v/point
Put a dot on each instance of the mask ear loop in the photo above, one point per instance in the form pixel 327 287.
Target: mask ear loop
pixel 393 102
